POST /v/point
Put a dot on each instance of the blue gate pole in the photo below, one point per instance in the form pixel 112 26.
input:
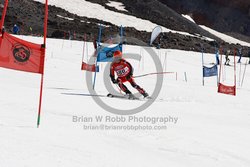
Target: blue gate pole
pixel 121 38
pixel 121 33
pixel 217 62
pixel 98 49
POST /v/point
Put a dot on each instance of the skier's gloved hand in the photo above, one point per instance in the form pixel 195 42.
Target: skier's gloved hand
pixel 130 74
pixel 115 81
pixel 128 77
pixel 118 80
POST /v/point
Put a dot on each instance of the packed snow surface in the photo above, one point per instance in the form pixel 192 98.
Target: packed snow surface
pixel 204 128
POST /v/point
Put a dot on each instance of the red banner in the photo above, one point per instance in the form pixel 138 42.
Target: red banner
pixel 21 55
pixel 230 90
pixel 91 68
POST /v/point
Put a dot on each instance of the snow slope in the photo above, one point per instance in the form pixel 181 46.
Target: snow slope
pixel 92 10
pixel 188 17
pixel 225 37
pixel 212 129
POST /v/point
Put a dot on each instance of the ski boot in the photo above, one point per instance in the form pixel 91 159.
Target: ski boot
pixel 146 96
pixel 130 96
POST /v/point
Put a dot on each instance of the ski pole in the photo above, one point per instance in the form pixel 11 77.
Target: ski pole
pixel 156 73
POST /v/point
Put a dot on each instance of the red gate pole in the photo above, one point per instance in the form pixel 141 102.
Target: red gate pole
pixel 220 66
pixel 234 72
pixel 42 77
pixel 4 14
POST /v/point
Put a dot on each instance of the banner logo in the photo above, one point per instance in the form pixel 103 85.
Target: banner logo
pixel 21 53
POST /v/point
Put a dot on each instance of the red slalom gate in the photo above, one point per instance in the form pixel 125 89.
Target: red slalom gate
pixel 229 90
pixel 21 55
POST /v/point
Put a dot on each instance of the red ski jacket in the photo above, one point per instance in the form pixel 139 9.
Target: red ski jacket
pixel 123 69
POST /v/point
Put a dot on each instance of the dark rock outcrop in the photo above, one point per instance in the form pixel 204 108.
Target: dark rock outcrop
pixel 29 16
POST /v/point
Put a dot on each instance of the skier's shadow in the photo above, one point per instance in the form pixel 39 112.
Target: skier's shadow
pixel 83 94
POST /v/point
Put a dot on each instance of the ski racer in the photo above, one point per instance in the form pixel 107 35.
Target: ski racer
pixel 124 72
